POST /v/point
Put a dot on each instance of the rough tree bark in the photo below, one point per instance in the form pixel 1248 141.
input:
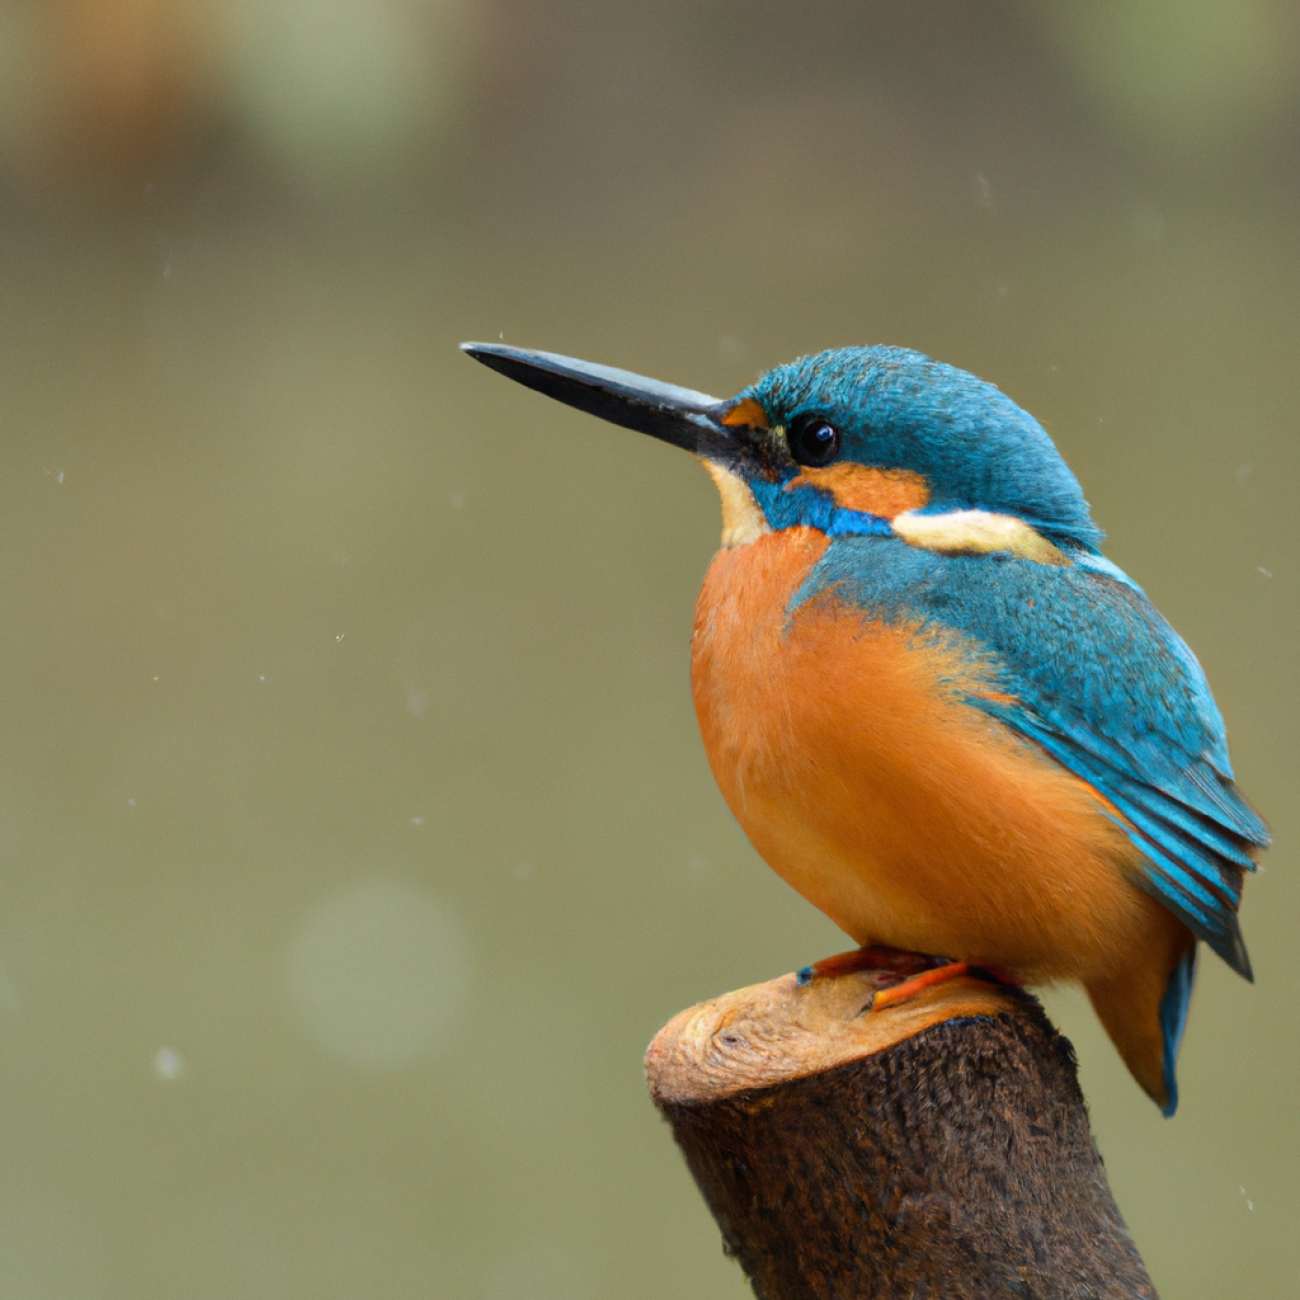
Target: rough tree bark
pixel 937 1147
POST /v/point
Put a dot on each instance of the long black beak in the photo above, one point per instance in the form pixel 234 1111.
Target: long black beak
pixel 676 415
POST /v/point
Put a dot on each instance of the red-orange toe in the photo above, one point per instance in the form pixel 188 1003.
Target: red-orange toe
pixel 888 961
pixel 909 988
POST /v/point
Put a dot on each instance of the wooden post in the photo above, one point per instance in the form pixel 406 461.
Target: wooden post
pixel 938 1147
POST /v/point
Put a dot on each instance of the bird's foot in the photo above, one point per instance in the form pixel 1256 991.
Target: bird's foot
pixel 895 963
pixel 901 974
pixel 909 988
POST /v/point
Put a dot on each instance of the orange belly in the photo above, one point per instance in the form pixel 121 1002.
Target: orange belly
pixel 909 817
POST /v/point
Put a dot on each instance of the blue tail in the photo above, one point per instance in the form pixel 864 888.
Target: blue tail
pixel 1173 1018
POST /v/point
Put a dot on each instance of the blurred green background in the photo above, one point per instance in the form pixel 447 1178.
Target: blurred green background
pixel 355 834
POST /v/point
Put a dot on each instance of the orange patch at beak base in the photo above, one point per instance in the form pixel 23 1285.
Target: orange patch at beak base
pixel 747 414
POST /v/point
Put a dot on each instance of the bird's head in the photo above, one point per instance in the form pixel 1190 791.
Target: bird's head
pixel 874 440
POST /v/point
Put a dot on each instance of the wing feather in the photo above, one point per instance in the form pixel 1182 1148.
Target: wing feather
pixel 1081 664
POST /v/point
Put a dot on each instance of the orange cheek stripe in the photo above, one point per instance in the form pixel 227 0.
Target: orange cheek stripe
pixel 883 492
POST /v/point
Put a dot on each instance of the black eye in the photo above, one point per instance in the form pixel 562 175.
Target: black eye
pixel 813 441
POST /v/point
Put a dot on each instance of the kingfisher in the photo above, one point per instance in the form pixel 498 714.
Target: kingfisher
pixel 933 706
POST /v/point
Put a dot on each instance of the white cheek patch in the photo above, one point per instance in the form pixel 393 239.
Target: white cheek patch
pixel 743 519
pixel 977 532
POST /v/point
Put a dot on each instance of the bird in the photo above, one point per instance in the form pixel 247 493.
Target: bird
pixel 932 704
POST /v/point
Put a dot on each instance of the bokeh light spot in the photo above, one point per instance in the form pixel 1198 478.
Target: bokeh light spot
pixel 169 1064
pixel 378 974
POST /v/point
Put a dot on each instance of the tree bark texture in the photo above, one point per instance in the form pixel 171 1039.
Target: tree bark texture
pixel 936 1147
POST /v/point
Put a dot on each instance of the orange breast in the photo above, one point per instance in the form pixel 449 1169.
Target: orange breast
pixel 907 816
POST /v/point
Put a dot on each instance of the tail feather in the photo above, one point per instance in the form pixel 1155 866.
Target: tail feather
pixel 1143 1005
pixel 1173 1019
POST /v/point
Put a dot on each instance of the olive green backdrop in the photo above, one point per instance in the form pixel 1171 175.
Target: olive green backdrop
pixel 355 834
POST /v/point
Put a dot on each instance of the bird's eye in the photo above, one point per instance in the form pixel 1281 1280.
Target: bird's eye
pixel 813 440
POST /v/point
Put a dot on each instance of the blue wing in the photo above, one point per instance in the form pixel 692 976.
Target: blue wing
pixel 1100 681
